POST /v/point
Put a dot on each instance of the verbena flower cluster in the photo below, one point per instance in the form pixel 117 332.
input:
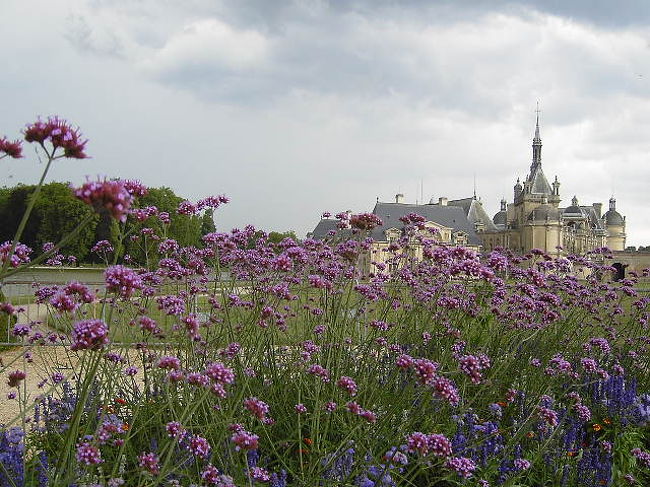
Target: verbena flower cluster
pixel 327 362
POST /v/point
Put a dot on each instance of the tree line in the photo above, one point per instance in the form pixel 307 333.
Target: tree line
pixel 57 212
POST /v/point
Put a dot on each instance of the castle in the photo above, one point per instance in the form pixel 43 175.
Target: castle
pixel 535 219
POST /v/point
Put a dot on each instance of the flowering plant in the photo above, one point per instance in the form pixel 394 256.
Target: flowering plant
pixel 322 362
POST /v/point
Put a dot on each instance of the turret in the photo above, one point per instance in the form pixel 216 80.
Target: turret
pixel 615 225
pixel 518 189
pixel 501 218
pixel 556 187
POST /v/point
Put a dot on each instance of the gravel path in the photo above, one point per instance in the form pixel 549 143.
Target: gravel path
pixel 39 362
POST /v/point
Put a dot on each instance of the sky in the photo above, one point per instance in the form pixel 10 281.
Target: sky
pixel 295 107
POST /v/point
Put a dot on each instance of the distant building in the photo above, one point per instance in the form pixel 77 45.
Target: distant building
pixel 449 223
pixel 535 219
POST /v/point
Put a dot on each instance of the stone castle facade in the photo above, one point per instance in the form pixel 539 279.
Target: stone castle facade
pixel 534 219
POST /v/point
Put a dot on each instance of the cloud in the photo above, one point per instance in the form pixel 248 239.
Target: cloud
pixel 210 46
pixel 88 40
pixel 293 107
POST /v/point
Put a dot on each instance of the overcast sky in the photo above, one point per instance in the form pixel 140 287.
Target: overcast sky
pixel 295 107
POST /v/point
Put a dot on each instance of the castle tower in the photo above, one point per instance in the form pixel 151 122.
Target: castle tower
pixel 615 225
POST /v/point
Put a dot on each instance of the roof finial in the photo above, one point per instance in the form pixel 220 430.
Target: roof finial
pixel 474 185
pixel 537 110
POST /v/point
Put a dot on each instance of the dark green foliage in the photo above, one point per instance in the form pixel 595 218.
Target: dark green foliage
pixel 12 208
pixel 57 212
pixel 60 213
pixel 277 237
pixel 207 222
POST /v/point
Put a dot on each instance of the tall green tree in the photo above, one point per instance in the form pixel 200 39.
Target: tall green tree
pixel 207 222
pixel 60 213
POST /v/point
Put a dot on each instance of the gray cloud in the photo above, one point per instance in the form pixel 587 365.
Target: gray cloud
pixel 299 106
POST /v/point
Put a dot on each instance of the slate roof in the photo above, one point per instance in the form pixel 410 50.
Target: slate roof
pixel 475 212
pixel 323 228
pixel 500 219
pixel 539 183
pixel 613 217
pixel 448 216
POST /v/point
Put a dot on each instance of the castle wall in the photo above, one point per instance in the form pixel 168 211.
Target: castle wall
pixel 616 237
pixel 635 261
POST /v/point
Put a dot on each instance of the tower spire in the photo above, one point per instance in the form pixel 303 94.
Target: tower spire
pixel 537 138
pixel 537 144
pixel 474 185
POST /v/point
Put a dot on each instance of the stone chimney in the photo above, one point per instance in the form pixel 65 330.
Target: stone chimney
pixel 598 207
pixel 442 201
pixel 399 198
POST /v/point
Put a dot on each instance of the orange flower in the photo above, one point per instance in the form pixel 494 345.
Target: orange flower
pixel 119 400
pixel 530 434
pixel 571 453
pixel 597 427
pixel 607 421
pixel 126 427
pixel 502 404
pixel 308 441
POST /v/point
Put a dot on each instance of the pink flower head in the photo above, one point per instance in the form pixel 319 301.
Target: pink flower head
pixel 169 362
pixel 258 408
pixel 439 445
pixel 187 208
pixel 175 430
pixel 149 462
pixel 111 196
pixel 219 373
pixel 462 466
pixel 211 476
pixel 245 440
pixel 259 474
pixel 122 280
pixel 135 188
pixel 60 134
pixel 89 335
pixel 425 370
pixel 200 447
pixel 330 406
pixel 521 464
pixel 446 389
pixel 319 371
pixel 404 361
pixel 88 454
pixel 15 378
pixel 365 221
pixel 102 246
pixel 212 202
pixel 347 384
pixel 417 442
pixel 20 255
pixel 548 415
pixel 10 149
pixel 413 219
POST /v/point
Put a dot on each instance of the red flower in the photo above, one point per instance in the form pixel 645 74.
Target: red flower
pixel 12 149
pixel 365 221
pixel 60 134
pixel 111 196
